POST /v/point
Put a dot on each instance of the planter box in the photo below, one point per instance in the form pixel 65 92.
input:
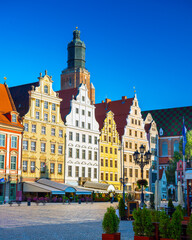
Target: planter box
pixel 114 236
pixel 143 238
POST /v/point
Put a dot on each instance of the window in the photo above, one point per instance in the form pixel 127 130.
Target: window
pixel 33 128
pixel 83 98
pixel 89 114
pixel 24 166
pixel 90 155
pixel 130 145
pixel 132 120
pixel 46 117
pixel 83 138
pixel 106 149
pixel 83 171
pixel 114 139
pixel 69 171
pixel 95 156
pixel 52 131
pixel 164 148
pixel 77 123
pixel 111 163
pixel 33 146
pixel 60 168
pixel 126 144
pixel 42 167
pixel 52 167
pixel 135 146
pixel 42 147
pixel 101 148
pixel 101 162
pixel 53 118
pixel 109 139
pixel 176 146
pixel 135 122
pixel 125 157
pixel 101 176
pixel 115 151
pixel 135 112
pixel 37 103
pixel 130 158
pixel 53 106
pixel 115 163
pixel 2 140
pixel 89 172
pixel 83 154
pixel 111 176
pixel 25 145
pixel 139 122
pixel 14 119
pixel 13 162
pixel 60 149
pixel 46 105
pixel 45 89
pixel 83 125
pixel 52 148
pixel 77 137
pixel 135 133
pixel 141 135
pixel 77 110
pixel 105 138
pixel 89 125
pixel 130 172
pixel 83 112
pixel 26 127
pixel 125 172
pixel 106 176
pixel 95 140
pixel 153 139
pixel 109 129
pixel 70 152
pixel 77 153
pixel 106 162
pixel 136 173
pixel 116 177
pixel 32 167
pixel 13 142
pixel 70 136
pixel 147 173
pixel 43 130
pixel 2 159
pixel 111 150
pixel 90 139
pixel 37 115
pixel 76 171
pixel 60 133
pixel 95 172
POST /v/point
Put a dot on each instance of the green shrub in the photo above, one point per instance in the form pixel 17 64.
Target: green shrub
pixel 176 226
pixel 189 227
pixel 164 225
pixel 152 203
pixel 121 208
pixel 170 203
pixel 155 215
pixel 143 226
pixel 110 221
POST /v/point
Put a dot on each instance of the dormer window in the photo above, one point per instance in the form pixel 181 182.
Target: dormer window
pixel 45 89
pixel 14 118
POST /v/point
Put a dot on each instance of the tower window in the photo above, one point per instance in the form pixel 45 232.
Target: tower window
pixel 45 89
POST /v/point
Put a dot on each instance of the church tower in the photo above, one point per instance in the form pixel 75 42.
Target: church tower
pixel 76 73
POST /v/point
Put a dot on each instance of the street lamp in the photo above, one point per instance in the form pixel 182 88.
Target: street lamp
pixel 123 180
pixel 142 159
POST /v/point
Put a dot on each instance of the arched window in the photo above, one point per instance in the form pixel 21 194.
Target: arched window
pixel 164 149
pixel 45 89
pixel 176 146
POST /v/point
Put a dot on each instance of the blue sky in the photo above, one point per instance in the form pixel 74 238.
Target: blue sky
pixel 146 44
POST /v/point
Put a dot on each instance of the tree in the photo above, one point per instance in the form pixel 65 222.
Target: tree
pixel 188 146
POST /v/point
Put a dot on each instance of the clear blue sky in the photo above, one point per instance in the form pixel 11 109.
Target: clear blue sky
pixel 146 44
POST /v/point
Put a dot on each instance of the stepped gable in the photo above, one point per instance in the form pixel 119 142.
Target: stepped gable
pixel 171 119
pixel 120 108
pixel 67 96
pixel 7 106
pixel 20 95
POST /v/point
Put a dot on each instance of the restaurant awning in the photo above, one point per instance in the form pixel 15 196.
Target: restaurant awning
pixel 37 187
pixel 99 187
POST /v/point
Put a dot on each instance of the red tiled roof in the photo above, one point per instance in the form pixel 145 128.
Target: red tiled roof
pixel 147 127
pixel 66 95
pixel 163 160
pixel 161 173
pixel 7 106
pixel 120 108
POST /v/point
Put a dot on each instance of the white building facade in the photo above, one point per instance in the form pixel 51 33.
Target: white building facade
pixel 82 135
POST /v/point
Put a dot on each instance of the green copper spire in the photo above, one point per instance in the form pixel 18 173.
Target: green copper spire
pixel 76 51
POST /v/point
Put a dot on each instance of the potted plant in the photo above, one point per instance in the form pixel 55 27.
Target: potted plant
pixel 142 225
pixel 122 209
pixel 189 227
pixel 171 208
pixel 110 225
pixel 176 226
pixel 164 226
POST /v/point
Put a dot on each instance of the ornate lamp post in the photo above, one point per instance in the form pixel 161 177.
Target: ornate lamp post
pixel 142 159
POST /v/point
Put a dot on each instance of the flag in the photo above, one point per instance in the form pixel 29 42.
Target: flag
pixel 184 132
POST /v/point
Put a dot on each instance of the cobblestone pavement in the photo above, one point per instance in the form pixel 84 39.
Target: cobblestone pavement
pixel 56 221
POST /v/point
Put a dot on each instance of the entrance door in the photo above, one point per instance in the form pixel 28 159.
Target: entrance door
pixel 12 193
pixel 1 192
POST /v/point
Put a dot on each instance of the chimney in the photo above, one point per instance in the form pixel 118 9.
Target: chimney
pixel 124 98
pixel 102 101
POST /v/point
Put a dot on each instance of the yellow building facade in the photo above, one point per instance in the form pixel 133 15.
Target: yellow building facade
pixel 109 152
pixel 44 134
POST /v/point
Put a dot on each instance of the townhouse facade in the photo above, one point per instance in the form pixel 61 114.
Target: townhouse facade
pixel 44 130
pixel 10 146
